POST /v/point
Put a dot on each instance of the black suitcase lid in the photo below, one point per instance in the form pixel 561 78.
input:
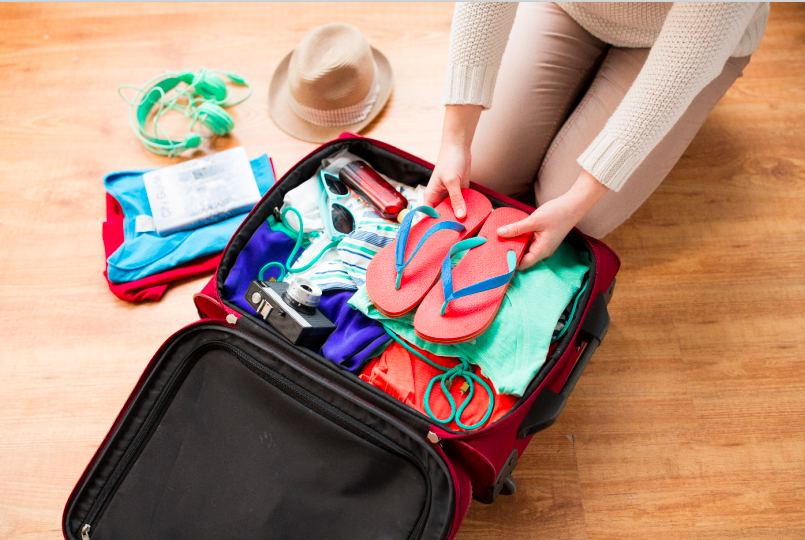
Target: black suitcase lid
pixel 228 437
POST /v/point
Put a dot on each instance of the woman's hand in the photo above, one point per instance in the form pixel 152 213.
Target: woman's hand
pixel 452 171
pixel 451 174
pixel 551 222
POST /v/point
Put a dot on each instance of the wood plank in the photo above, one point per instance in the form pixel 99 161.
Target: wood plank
pixel 547 503
pixel 636 381
pixel 711 484
pixel 745 371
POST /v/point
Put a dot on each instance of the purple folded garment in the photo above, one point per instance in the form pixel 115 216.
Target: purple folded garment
pixel 265 246
pixel 356 339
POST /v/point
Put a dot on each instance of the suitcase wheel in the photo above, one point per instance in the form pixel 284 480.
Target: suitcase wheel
pixel 509 486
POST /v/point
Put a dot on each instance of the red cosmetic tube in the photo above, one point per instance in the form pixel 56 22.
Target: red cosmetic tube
pixel 374 189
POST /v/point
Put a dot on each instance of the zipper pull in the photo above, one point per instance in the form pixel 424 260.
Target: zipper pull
pixel 432 437
pixel 85 532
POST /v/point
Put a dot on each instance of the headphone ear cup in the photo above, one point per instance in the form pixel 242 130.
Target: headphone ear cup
pixel 215 118
pixel 209 85
pixel 236 79
pixel 192 140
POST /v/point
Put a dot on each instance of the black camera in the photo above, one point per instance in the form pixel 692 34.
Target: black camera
pixel 292 310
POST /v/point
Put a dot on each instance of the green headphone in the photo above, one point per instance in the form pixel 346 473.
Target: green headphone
pixel 206 97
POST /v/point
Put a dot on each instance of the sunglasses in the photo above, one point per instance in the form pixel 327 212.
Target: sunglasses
pixel 338 219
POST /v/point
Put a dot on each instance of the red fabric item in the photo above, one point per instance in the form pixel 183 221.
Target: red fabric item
pixel 151 287
pixel 405 377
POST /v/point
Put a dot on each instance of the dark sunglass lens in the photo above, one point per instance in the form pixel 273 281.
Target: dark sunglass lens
pixel 343 221
pixel 336 186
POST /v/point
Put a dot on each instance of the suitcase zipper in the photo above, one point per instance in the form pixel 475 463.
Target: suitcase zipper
pixel 282 383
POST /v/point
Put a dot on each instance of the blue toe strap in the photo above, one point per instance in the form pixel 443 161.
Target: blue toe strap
pixel 402 236
pixel 475 288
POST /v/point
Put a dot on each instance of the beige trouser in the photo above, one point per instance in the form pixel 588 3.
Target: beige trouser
pixel 557 87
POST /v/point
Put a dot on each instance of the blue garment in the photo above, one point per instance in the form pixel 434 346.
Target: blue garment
pixel 356 339
pixel 144 254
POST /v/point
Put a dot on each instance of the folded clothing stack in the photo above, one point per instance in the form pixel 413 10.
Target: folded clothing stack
pixel 516 344
pixel 141 265
pixel 505 357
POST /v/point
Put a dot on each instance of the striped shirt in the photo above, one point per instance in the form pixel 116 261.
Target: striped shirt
pixel 344 266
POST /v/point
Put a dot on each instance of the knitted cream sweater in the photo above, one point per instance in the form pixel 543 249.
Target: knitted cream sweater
pixel 690 43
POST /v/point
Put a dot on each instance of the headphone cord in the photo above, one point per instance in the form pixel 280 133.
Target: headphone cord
pixel 194 109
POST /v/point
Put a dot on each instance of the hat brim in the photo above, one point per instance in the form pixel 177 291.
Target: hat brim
pixel 288 121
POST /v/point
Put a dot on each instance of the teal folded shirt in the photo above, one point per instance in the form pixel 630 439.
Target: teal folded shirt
pixel 145 254
pixel 515 346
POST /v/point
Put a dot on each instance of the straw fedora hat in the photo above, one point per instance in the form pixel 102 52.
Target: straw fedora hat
pixel 333 81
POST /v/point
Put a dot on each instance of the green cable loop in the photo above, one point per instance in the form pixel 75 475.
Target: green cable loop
pixel 286 269
pixel 463 370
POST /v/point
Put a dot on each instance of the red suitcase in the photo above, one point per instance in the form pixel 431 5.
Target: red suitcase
pixel 233 432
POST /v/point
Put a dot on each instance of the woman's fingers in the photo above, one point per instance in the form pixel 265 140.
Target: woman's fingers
pixel 531 257
pixel 546 236
pixel 434 193
pixel 456 198
pixel 523 226
pixel 438 188
pixel 541 247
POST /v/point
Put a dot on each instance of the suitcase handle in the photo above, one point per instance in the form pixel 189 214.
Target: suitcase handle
pixel 548 405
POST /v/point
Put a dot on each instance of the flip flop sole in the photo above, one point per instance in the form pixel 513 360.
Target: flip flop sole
pixel 468 317
pixel 423 270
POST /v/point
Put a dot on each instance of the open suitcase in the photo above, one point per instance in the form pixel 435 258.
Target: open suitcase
pixel 233 432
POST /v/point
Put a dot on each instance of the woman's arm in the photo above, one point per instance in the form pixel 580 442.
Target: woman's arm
pixel 478 38
pixel 695 42
pixel 551 222
pixel 452 171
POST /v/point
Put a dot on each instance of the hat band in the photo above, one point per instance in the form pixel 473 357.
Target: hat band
pixel 338 117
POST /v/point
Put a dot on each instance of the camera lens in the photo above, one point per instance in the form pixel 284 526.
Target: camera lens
pixel 303 295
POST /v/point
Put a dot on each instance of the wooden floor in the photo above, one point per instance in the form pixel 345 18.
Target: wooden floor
pixel 688 423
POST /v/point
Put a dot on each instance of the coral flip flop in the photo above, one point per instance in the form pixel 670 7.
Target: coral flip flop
pixel 402 273
pixel 475 288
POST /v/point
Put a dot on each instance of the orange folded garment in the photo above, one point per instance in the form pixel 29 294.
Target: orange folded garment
pixel 406 377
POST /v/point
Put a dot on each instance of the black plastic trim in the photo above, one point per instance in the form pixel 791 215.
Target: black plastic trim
pixel 548 405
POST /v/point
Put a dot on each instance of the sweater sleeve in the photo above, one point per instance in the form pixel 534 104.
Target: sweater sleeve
pixel 478 38
pixel 695 42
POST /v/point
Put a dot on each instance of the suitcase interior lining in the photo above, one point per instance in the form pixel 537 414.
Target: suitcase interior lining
pixel 215 446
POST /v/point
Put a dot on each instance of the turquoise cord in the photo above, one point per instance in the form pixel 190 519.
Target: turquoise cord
pixel 463 370
pixel 286 269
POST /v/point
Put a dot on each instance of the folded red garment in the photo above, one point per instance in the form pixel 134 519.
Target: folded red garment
pixel 406 377
pixel 151 287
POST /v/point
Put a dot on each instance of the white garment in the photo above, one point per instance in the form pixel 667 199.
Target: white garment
pixel 341 268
